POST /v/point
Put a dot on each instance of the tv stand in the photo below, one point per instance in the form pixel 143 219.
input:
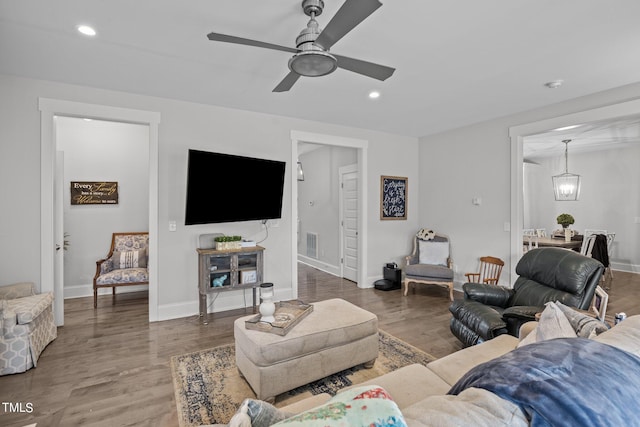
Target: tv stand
pixel 228 270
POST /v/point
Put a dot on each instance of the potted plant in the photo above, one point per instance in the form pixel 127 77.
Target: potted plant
pixel 565 220
pixel 228 242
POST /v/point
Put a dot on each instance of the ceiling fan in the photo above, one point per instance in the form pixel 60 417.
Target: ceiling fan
pixel 311 56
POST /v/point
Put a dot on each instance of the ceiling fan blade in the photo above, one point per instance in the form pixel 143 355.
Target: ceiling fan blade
pixel 369 69
pixel 348 16
pixel 287 82
pixel 217 37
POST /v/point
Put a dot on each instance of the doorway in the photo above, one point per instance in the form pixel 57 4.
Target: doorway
pixel 361 147
pixel 517 135
pixel 99 150
pixel 50 259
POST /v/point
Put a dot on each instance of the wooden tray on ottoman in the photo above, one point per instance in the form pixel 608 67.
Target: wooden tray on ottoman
pixel 288 314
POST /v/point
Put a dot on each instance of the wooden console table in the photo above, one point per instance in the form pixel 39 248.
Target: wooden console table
pixel 228 270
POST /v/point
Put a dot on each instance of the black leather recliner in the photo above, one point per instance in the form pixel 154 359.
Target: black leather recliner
pixel 545 274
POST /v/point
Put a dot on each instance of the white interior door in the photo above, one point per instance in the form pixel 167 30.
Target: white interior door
pixel 349 222
pixel 58 263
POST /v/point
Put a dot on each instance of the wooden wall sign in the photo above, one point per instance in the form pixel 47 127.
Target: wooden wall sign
pixel 94 193
pixel 393 197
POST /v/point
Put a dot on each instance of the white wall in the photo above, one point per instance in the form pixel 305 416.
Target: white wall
pixel 606 200
pixel 187 125
pixel 99 150
pixel 318 203
pixel 475 161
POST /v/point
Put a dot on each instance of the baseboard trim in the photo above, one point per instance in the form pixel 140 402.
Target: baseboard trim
pixel 83 291
pixel 322 266
pixel 626 267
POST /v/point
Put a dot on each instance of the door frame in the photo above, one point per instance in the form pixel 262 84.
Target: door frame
pixel 49 108
pixel 362 147
pixel 517 135
pixel 344 170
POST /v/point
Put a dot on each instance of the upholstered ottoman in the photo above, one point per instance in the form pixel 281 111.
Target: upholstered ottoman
pixel 335 336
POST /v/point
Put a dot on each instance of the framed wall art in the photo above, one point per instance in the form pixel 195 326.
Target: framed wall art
pixel 393 197
pixel 94 192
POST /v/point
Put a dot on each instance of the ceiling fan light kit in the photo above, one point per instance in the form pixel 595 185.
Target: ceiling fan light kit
pixel 311 56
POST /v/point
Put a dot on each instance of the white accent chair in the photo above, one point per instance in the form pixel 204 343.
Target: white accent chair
pixel 26 325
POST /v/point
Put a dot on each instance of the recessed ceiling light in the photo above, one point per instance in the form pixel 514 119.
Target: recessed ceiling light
pixel 374 94
pixel 554 84
pixel 86 30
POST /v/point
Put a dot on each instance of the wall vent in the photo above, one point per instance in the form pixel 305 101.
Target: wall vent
pixel 312 245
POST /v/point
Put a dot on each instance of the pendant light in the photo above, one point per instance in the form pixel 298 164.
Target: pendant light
pixel 566 186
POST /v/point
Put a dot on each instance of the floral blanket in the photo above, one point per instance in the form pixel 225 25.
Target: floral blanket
pixel 564 382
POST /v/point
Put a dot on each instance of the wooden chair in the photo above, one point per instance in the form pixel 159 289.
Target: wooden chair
pixel 125 265
pixel 489 272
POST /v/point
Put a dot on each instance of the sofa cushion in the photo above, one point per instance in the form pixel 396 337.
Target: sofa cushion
pixel 17 290
pixel 410 384
pixel 452 367
pixel 473 407
pixel 124 275
pixel 430 271
pixel 625 335
pixel 28 308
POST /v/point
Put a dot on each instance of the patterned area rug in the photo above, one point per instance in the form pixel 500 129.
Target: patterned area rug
pixel 209 389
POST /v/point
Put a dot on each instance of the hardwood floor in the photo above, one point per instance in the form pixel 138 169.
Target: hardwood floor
pixel 110 366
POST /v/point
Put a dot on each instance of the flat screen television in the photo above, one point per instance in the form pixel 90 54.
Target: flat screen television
pixel 229 188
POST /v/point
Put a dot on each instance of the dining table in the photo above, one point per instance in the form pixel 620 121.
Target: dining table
pixel 556 242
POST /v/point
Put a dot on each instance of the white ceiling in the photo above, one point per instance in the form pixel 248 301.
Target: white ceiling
pixel 457 62
pixel 594 136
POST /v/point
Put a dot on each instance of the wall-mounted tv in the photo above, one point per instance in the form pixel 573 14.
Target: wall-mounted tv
pixel 229 188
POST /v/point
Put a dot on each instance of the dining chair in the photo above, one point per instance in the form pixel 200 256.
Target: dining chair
pixel 528 239
pixel 588 232
pixel 489 271
pixel 541 232
pixel 610 238
pixel 587 244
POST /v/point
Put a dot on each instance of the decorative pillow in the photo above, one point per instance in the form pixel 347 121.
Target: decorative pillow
pixel 359 406
pixel 257 413
pixel 433 253
pixel 553 324
pixel 584 325
pixel 425 234
pixel 129 259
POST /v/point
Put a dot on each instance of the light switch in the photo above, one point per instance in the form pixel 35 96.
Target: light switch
pixel 172 226
pixel 476 201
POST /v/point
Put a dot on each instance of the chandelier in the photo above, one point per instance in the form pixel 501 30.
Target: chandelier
pixel 566 186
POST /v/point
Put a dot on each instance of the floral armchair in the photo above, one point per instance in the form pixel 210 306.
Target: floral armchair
pixel 125 265
pixel 26 326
